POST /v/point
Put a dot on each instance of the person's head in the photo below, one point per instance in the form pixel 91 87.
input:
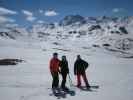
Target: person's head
pixel 55 55
pixel 78 57
pixel 63 57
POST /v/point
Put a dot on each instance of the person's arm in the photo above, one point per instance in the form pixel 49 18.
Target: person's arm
pixel 60 65
pixel 85 64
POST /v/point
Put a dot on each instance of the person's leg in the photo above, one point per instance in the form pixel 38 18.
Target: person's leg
pixel 62 84
pixel 56 82
pixel 85 80
pixel 64 80
pixel 53 81
pixel 78 80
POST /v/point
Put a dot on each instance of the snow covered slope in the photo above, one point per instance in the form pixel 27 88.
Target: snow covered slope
pixel 31 79
pixel 108 38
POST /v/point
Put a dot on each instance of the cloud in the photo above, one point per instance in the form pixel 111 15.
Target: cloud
pixel 117 10
pixel 4 16
pixel 11 25
pixel 40 22
pixel 4 19
pixel 40 11
pixel 51 13
pixel 4 11
pixel 29 15
pixel 31 18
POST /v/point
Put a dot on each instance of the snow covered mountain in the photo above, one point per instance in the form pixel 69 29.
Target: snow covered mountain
pixel 109 31
pixel 76 25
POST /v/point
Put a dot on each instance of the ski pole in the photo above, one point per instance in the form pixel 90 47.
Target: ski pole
pixel 70 80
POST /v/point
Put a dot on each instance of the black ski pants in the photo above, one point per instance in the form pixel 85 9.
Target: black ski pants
pixel 55 82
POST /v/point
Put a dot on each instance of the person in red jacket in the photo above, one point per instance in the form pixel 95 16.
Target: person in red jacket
pixel 54 69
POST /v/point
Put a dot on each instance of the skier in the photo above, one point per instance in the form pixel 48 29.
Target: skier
pixel 54 69
pixel 80 67
pixel 64 71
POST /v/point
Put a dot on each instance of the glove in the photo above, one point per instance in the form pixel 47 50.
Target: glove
pixel 59 72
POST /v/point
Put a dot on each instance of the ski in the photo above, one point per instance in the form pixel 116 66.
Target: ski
pixel 70 92
pixel 92 88
pixel 85 89
pixel 58 93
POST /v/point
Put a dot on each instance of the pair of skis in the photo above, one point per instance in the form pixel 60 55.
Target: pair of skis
pixel 58 93
pixel 61 93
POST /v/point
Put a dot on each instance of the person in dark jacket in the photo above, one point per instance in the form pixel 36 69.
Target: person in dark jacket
pixel 54 69
pixel 80 67
pixel 64 71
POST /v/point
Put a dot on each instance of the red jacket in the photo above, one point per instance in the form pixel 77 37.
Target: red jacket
pixel 54 65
